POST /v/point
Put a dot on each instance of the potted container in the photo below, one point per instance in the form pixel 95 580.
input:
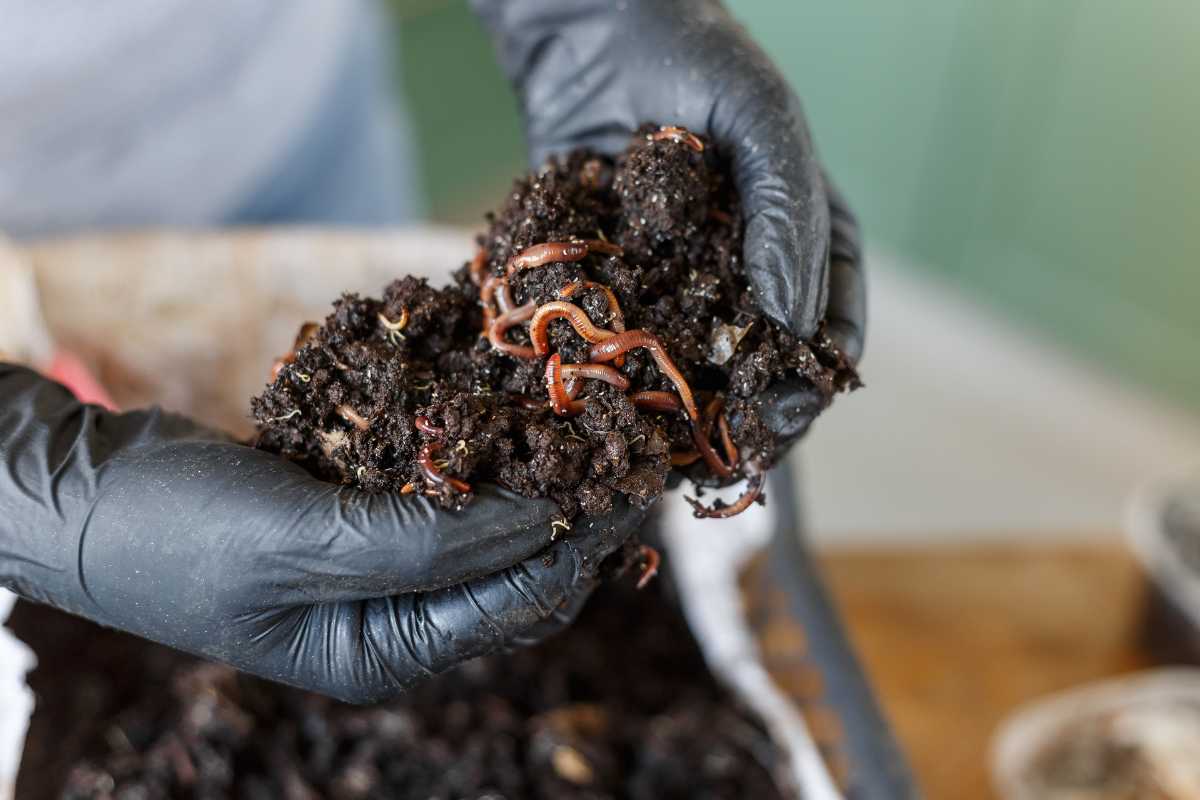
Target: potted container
pixel 1132 738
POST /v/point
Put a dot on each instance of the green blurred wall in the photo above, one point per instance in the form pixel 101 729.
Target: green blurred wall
pixel 1041 155
pixel 464 112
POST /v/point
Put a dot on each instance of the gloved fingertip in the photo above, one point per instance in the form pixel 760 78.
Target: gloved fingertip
pixel 848 337
pixel 788 408
pixel 847 308
pixel 788 268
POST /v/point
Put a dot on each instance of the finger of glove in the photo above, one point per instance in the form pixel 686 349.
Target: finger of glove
pixel 783 197
pixel 562 618
pixel 406 638
pixel 634 520
pixel 173 516
pixel 787 409
pixel 847 310
pixel 347 545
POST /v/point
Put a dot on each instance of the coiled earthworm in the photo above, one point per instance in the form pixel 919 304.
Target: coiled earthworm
pixel 563 405
pixel 549 252
pixel 677 134
pixel 563 382
pixel 348 413
pixel 747 497
pixel 508 320
pixel 618 318
pixel 425 426
pixel 594 372
pixel 657 401
pixel 618 344
pixel 488 297
pixel 435 475
pixel 714 417
pixel 650 561
pixel 557 309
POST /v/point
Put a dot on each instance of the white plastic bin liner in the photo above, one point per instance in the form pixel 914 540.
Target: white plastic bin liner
pixel 16 700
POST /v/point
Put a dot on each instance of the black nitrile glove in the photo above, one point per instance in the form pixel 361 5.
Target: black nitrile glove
pixel 147 522
pixel 590 72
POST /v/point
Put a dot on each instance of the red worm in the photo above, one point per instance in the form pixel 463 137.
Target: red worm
pixel 657 401
pixel 508 320
pixel 279 364
pixel 716 407
pixel 618 344
pixel 731 451
pixel 618 318
pixel 435 475
pixel 714 462
pixel 489 297
pixel 563 405
pixel 684 458
pixel 650 560
pixel 528 403
pixel 614 307
pixel 676 134
pixel 347 412
pixel 477 265
pixel 549 252
pixel 307 331
pixel 595 372
pixel 426 427
pixel 557 309
pixel 711 409
pixel 488 294
pixel 753 490
pixel 604 247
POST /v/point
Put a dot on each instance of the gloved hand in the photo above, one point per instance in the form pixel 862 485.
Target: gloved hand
pixel 589 72
pixel 150 523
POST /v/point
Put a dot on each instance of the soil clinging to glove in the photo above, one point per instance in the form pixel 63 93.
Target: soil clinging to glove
pixel 604 335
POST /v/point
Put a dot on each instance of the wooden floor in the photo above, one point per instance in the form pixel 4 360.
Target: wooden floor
pixel 955 639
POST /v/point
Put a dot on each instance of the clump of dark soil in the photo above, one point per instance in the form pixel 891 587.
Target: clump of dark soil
pixel 429 390
pixel 561 721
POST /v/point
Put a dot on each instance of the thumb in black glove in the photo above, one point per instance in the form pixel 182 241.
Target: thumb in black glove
pixel 152 524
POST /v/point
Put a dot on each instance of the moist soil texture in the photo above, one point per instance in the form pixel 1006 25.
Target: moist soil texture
pixel 121 718
pixel 429 390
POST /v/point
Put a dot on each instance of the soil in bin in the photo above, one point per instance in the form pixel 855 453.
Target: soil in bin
pixel 121 718
pixel 408 392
